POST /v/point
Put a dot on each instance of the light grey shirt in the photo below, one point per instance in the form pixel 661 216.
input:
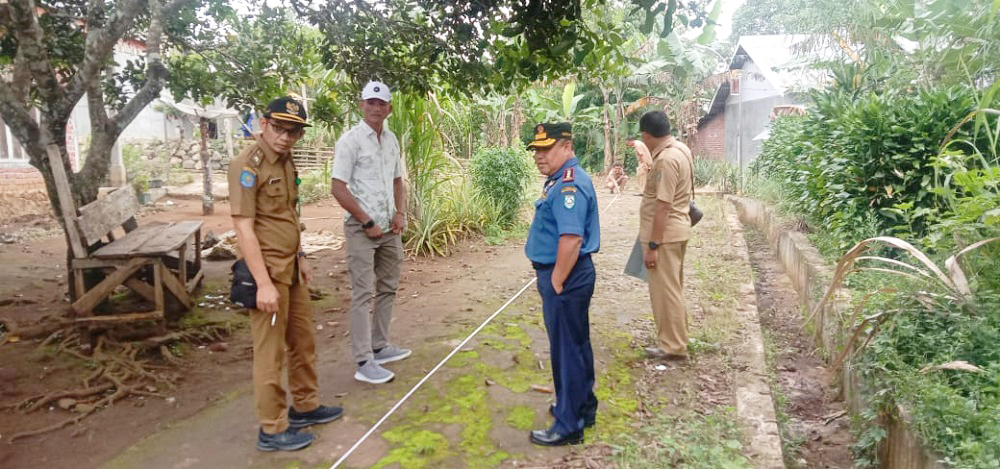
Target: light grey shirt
pixel 369 169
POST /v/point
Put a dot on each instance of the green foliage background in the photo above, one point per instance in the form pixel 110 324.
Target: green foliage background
pixel 915 165
pixel 866 166
pixel 503 175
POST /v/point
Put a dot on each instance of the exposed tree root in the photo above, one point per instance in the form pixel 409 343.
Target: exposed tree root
pixel 33 332
pixel 121 391
pixel 32 404
pixel 122 369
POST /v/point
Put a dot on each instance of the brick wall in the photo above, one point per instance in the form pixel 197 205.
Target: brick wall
pixel 22 194
pixel 710 141
pixel 19 180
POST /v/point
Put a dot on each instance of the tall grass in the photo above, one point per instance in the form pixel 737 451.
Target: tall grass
pixel 719 174
pixel 443 207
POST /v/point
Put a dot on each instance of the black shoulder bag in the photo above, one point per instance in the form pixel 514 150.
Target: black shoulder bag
pixel 693 211
pixel 243 293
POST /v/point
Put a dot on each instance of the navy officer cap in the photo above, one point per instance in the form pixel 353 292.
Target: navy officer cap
pixel 546 134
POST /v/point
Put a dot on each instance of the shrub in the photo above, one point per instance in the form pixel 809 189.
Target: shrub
pixel 869 158
pixel 502 176
pixel 719 174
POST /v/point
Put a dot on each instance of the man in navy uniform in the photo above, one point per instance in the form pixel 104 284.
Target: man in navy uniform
pixel 563 235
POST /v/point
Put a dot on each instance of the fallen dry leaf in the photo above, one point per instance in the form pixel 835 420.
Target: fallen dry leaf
pixel 960 365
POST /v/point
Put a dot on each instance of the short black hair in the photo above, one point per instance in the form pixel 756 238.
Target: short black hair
pixel 655 123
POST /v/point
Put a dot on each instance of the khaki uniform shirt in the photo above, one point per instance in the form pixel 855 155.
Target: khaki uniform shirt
pixel 642 155
pixel 669 181
pixel 262 186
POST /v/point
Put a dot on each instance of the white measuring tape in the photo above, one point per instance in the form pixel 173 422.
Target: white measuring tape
pixel 427 376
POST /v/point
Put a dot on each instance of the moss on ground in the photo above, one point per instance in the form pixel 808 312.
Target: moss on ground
pixel 614 390
pixel 521 417
pixel 419 449
pixel 463 400
pixel 463 403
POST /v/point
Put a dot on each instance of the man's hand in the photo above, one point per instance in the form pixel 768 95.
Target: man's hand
pixel 375 232
pixel 307 274
pixel 557 287
pixel 398 222
pixel 267 298
pixel 649 257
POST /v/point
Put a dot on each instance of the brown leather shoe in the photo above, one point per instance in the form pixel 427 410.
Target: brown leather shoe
pixel 656 353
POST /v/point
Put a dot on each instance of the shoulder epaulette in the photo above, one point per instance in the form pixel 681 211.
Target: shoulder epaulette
pixel 567 175
pixel 256 156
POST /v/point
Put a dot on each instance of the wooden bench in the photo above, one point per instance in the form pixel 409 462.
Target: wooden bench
pixel 150 260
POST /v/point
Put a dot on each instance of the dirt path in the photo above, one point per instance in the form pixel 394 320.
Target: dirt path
pixel 474 413
pixel 815 430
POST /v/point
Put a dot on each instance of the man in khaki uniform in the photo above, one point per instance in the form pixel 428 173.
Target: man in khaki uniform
pixel 664 229
pixel 643 161
pixel 263 197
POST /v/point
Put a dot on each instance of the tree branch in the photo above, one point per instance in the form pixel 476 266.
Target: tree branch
pixel 31 61
pixel 156 73
pixel 15 111
pixel 101 41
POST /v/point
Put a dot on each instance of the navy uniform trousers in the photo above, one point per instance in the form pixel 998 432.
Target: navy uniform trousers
pixel 567 322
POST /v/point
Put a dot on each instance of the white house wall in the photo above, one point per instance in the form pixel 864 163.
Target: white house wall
pixel 748 113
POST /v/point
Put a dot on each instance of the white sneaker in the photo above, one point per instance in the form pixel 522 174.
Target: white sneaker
pixel 371 372
pixel 391 353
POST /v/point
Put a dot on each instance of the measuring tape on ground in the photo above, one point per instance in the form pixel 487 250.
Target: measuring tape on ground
pixel 427 376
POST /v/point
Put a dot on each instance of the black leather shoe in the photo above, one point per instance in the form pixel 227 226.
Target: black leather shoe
pixel 589 420
pixel 551 438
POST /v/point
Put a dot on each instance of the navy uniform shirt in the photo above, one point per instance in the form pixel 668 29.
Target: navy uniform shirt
pixel 568 206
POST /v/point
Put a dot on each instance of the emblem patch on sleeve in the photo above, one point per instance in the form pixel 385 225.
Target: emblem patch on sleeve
pixel 248 179
pixel 569 201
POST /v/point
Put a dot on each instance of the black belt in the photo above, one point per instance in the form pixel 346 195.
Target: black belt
pixel 541 266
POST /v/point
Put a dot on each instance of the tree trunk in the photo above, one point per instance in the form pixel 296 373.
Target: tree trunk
pixel 206 201
pixel 518 122
pixel 619 117
pixel 609 157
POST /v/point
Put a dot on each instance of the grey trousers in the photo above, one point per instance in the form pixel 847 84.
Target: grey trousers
pixel 374 265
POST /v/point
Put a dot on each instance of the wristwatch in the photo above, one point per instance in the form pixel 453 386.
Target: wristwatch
pixel 370 224
pixel 653 245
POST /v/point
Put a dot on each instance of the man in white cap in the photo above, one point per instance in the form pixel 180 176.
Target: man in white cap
pixel 368 183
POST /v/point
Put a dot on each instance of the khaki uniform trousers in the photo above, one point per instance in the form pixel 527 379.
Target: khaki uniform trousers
pixel 666 293
pixel 374 265
pixel 292 329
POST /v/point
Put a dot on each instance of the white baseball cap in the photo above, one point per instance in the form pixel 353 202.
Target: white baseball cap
pixel 378 90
